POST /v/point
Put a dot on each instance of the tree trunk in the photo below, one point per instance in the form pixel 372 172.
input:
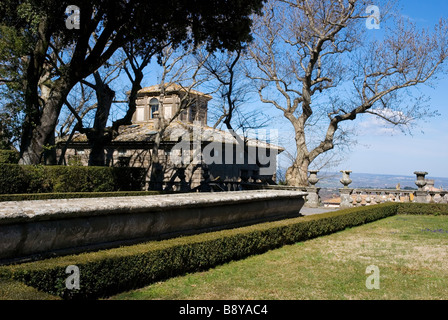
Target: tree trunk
pixel 297 174
pixel 98 136
pixel 97 141
pixel 35 138
pixel 38 131
pixel 50 157
pixel 49 154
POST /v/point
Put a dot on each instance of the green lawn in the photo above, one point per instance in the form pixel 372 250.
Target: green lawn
pixel 411 253
pixel 15 290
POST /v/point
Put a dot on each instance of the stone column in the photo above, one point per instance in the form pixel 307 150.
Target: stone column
pixel 313 199
pixel 345 192
pixel 420 194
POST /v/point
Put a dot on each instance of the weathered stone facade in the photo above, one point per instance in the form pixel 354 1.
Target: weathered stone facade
pixel 223 158
pixel 191 104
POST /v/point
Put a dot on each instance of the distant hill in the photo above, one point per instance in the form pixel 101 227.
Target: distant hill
pixel 367 180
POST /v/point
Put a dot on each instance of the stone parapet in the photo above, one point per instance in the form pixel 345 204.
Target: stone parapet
pixel 35 229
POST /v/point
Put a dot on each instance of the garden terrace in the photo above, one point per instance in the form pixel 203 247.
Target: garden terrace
pixel 33 229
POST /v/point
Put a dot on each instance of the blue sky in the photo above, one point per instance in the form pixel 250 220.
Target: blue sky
pixel 381 150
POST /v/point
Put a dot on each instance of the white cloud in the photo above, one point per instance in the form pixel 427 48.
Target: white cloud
pixel 376 125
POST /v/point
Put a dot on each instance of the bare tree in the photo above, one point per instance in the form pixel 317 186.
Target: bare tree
pixel 313 58
pixel 97 133
pixel 232 91
pixel 78 106
pixel 138 56
pixel 227 74
pixel 132 60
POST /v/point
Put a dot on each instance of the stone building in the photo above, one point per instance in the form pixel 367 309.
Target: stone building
pixel 192 155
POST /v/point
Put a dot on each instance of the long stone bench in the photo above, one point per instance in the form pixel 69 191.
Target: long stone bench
pixel 42 228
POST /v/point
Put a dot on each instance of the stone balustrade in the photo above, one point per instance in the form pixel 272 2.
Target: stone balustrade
pixel 376 196
pixel 351 197
pixel 438 196
pixel 364 197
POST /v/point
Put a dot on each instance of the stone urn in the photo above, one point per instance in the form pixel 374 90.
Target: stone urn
pixel 345 192
pixel 313 198
pixel 313 179
pixel 420 182
pixel 346 178
pixel 420 194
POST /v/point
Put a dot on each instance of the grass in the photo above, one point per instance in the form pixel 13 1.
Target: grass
pixel 410 252
pixel 15 290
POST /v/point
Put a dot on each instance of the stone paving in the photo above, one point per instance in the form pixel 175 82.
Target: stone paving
pixel 309 211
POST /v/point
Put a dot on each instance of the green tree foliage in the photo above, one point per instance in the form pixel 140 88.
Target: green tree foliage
pixel 13 48
pixel 57 58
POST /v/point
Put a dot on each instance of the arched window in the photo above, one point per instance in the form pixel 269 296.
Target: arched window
pixel 153 107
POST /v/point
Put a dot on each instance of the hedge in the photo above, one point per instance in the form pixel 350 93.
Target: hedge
pixel 19 179
pixel 9 156
pixel 423 208
pixel 107 272
pixel 72 195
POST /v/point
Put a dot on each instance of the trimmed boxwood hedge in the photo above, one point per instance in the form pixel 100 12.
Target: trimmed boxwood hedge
pixel 9 156
pixel 72 195
pixel 107 272
pixel 19 179
pixel 423 208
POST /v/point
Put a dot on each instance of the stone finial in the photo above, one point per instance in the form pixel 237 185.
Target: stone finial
pixel 313 199
pixel 346 178
pixel 313 179
pixel 420 194
pixel 345 192
pixel 420 182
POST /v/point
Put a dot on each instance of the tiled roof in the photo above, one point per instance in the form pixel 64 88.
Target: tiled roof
pixel 172 88
pixel 145 132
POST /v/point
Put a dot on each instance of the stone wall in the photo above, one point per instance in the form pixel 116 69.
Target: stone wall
pixel 37 229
